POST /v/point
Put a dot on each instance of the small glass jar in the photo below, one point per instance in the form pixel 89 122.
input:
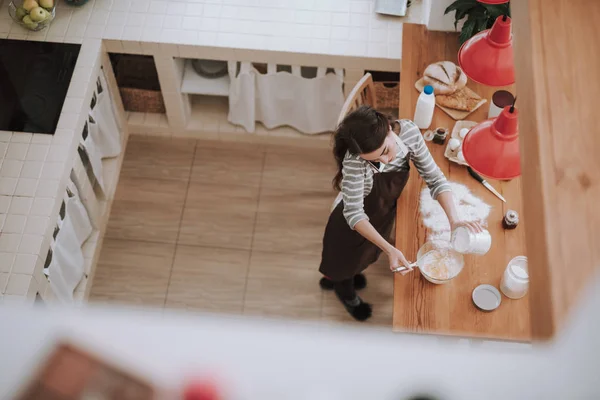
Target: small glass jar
pixel 515 280
pixel 467 242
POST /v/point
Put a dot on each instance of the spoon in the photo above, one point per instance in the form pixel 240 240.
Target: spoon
pixel 404 269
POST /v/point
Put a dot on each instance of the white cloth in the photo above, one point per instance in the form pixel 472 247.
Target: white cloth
pixel 78 214
pixel 311 105
pixel 469 208
pixel 109 97
pixel 106 134
pixel 90 147
pixel 67 267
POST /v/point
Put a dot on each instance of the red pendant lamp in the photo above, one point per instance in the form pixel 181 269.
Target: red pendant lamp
pixel 492 147
pixel 493 1
pixel 487 57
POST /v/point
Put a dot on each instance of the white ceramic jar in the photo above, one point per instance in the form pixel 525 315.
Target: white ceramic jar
pixel 467 242
pixel 515 280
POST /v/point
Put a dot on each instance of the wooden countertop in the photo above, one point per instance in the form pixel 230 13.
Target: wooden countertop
pixel 420 306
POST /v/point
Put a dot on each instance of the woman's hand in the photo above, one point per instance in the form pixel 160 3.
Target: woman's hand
pixel 397 259
pixel 472 226
pixel 447 202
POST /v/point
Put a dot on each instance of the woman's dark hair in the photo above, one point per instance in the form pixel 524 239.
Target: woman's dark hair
pixel 362 131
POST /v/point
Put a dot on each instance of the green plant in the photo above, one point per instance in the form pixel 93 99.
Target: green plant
pixel 479 16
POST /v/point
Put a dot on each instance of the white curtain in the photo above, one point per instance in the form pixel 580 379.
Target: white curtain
pixel 67 267
pixel 310 105
pixel 107 134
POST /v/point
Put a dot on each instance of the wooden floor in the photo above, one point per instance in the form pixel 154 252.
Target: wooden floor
pixel 237 229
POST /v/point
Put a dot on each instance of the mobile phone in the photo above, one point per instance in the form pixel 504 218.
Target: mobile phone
pixel 377 166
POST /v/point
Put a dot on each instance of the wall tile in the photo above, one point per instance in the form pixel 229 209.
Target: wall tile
pixel 6 262
pixel 5 204
pixel 26 187
pixel 11 168
pixel 20 205
pixel 24 264
pixel 16 151
pixel 14 224
pixel 31 244
pixel 9 242
pixel 18 284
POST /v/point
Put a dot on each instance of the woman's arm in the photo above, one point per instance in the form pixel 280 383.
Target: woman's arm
pixel 395 256
pixel 421 157
pixel 432 175
pixel 447 202
pixel 353 184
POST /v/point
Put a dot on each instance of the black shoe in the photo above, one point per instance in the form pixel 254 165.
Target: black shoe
pixel 326 284
pixel 360 282
pixel 359 310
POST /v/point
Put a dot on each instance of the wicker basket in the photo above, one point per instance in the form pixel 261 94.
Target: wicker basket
pixel 138 83
pixel 388 94
pixel 142 100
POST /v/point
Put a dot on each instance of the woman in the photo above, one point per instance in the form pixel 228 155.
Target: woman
pixel 373 169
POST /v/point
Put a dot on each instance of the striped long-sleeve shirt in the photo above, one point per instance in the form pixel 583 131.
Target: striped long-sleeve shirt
pixel 357 181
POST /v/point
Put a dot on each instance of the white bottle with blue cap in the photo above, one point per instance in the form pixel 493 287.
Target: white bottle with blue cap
pixel 425 108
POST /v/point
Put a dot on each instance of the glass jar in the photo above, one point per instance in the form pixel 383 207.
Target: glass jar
pixel 515 280
pixel 34 16
pixel 467 242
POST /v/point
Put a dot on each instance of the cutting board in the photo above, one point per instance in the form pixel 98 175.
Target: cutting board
pixel 454 114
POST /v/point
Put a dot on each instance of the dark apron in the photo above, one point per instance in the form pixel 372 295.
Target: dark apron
pixel 345 251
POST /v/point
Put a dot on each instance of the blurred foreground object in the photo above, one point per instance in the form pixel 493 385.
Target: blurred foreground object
pixel 151 355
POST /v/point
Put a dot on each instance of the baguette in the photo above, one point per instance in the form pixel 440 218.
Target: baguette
pixel 461 100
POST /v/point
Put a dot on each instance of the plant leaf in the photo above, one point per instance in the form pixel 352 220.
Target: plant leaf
pixel 496 10
pixel 467 30
pixel 481 25
pixel 452 7
pixel 461 8
pixel 460 5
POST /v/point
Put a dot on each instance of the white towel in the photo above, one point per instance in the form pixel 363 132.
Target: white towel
pixel 67 266
pixel 106 134
pixel 76 211
pixel 94 154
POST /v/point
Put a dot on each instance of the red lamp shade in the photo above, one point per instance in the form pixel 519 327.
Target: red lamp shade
pixel 487 57
pixel 493 1
pixel 492 147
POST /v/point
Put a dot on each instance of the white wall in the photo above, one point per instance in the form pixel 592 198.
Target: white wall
pixel 435 18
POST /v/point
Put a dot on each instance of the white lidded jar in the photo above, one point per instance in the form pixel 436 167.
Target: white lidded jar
pixel 466 242
pixel 515 281
pixel 425 108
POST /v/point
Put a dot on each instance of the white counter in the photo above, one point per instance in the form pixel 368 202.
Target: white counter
pixel 35 168
pixel 327 27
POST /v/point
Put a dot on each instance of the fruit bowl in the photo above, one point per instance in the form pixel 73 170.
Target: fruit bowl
pixel 34 15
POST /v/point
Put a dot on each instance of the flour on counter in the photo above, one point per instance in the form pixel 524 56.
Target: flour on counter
pixel 469 207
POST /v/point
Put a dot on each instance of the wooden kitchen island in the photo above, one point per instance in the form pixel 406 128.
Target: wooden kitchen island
pixel 420 306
